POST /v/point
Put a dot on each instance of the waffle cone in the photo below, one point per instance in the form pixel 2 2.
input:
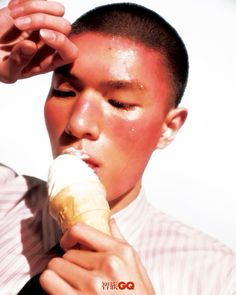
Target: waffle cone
pixel 83 202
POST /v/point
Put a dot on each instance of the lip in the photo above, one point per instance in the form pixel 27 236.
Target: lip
pixel 92 164
pixel 90 161
pixel 78 153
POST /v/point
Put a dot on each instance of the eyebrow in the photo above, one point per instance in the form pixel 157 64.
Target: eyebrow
pixel 123 85
pixel 64 71
pixel 111 84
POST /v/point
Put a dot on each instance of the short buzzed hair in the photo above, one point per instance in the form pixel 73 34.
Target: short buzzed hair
pixel 145 26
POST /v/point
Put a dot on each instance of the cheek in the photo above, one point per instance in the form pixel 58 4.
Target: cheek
pixel 140 135
pixel 54 118
pixel 133 142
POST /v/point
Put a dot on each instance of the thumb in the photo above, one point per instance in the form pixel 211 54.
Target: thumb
pixel 115 231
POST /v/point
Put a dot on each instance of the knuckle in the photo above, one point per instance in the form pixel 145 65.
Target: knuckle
pixel 59 7
pixel 127 251
pixel 66 27
pixel 54 263
pixel 43 277
pixel 66 255
pixel 95 283
pixel 70 254
pixel 111 264
pixel 60 39
pixel 30 5
pixel 54 8
pixel 73 231
pixel 37 20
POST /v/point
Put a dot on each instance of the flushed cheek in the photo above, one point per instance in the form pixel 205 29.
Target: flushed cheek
pixel 55 118
pixel 132 144
pixel 138 136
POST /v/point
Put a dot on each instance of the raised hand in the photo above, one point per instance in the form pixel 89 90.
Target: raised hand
pixel 110 259
pixel 33 39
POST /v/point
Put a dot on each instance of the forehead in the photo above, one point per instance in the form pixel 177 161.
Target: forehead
pixel 114 42
pixel 102 46
pixel 105 57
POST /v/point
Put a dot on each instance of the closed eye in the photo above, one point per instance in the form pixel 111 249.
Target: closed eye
pixel 120 105
pixel 63 93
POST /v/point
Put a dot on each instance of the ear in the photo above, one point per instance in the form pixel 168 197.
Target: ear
pixel 173 122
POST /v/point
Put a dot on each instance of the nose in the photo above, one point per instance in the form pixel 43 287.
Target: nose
pixel 85 116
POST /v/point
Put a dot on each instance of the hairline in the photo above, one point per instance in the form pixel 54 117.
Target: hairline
pixel 171 83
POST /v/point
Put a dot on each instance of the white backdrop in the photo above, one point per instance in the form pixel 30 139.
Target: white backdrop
pixel 193 179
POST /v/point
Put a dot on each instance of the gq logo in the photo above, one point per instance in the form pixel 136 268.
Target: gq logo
pixel 123 285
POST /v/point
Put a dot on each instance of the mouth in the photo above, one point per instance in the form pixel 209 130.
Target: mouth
pixel 92 163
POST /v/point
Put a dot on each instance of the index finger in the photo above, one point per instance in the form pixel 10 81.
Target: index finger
pixel 67 50
pixel 13 3
pixel 89 237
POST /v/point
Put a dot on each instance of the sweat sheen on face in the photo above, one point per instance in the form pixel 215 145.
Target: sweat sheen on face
pixel 111 103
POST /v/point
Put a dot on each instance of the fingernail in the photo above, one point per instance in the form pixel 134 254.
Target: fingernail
pixel 47 34
pixel 16 11
pixel 22 21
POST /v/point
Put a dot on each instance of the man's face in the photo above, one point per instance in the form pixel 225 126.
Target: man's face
pixel 111 104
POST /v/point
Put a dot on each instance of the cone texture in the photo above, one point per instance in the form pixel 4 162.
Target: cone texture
pixel 83 202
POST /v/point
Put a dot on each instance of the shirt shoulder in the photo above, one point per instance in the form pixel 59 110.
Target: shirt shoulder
pixel 9 176
pixel 6 174
pixel 15 188
pixel 180 235
pixel 180 258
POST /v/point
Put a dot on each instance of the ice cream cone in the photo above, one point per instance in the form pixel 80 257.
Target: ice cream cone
pixel 74 204
pixel 76 194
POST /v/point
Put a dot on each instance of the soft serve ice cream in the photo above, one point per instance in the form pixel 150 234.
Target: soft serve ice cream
pixel 76 194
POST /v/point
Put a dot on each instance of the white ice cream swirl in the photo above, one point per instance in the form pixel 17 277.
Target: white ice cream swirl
pixel 67 169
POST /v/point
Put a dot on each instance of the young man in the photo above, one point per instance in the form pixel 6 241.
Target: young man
pixel 115 98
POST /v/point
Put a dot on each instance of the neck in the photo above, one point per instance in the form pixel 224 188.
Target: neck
pixel 124 200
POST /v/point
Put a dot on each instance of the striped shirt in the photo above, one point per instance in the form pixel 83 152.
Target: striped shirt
pixel 178 259
pixel 27 232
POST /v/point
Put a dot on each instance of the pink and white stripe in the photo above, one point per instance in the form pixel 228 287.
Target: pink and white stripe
pixel 178 259
pixel 23 201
